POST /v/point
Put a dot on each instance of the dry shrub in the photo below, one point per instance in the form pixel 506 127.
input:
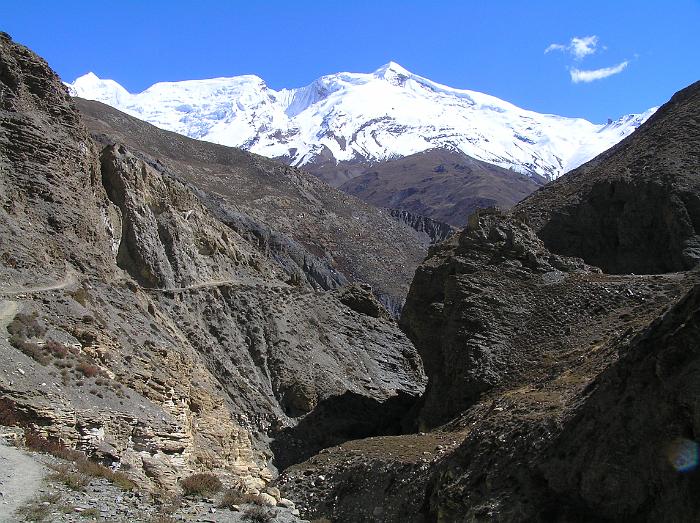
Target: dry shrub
pixel 91 468
pixel 259 514
pixel 39 508
pixel 88 369
pixel 56 349
pixel 232 496
pixel 200 484
pixel 31 349
pixel 162 518
pixel 72 480
pixel 25 326
pixel 35 441
pixel 81 295
pixel 85 466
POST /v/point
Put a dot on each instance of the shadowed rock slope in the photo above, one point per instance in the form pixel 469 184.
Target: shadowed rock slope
pixel 636 207
pixel 557 391
pixel 443 185
pixel 313 231
pixel 141 328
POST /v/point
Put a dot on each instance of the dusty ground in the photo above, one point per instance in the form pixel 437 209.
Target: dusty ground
pixel 32 490
pixel 20 479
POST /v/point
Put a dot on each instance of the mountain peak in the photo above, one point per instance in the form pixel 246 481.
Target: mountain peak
pixel 391 69
pixel 388 113
pixel 88 77
pixel 92 86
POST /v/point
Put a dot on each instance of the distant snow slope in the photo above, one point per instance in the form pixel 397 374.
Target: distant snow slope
pixel 386 114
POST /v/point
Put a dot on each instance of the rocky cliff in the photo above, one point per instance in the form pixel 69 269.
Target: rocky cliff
pixel 435 230
pixel 635 208
pixel 557 390
pixel 171 307
pixel 158 337
pixel 312 231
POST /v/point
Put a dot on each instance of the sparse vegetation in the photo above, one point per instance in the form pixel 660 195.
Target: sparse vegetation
pixel 237 495
pixel 39 508
pixel 89 370
pixel 162 518
pixel 26 326
pixel 37 442
pixel 200 484
pixel 90 513
pixel 31 349
pixel 81 295
pixel 84 466
pixel 72 480
pixel 91 468
pixel 56 349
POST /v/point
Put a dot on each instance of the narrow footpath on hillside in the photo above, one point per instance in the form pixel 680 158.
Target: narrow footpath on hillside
pixel 20 479
pixel 68 280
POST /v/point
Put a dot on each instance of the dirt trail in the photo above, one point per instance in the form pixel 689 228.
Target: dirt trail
pixel 68 280
pixel 216 283
pixel 20 479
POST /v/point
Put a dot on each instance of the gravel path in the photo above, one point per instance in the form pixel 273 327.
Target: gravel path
pixel 20 479
pixel 68 280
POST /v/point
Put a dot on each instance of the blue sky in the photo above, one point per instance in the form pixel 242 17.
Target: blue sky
pixel 629 56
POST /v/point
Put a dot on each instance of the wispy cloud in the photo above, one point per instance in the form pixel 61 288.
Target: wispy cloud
pixel 579 46
pixel 578 76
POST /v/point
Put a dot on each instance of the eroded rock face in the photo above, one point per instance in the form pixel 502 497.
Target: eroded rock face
pixel 631 451
pixel 568 393
pixel 474 305
pixel 148 332
pixel 437 231
pixel 318 235
pixel 634 208
pixel 54 208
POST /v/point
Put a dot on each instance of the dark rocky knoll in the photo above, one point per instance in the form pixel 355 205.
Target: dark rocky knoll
pixel 443 185
pixel 314 231
pixel 636 207
pixel 557 390
pixel 146 331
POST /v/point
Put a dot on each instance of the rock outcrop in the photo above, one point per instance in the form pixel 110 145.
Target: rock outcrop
pixel 316 234
pixel 636 207
pixel 557 390
pixel 436 231
pixel 154 335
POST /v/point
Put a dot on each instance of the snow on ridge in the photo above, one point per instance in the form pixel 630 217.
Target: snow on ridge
pixel 388 113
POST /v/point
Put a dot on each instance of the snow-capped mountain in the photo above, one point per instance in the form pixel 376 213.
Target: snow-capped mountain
pixel 389 113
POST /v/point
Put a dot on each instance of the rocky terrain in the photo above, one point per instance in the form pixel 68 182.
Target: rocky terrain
pixel 154 329
pixel 634 208
pixel 446 186
pixel 557 390
pixel 435 230
pixel 184 323
pixel 315 233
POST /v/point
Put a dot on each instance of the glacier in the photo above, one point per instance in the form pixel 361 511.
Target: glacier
pixel 364 117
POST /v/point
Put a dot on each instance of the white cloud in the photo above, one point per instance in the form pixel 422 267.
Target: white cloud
pixel 579 46
pixel 578 76
pixel 555 47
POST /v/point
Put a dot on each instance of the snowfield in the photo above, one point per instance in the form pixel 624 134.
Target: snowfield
pixel 386 114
